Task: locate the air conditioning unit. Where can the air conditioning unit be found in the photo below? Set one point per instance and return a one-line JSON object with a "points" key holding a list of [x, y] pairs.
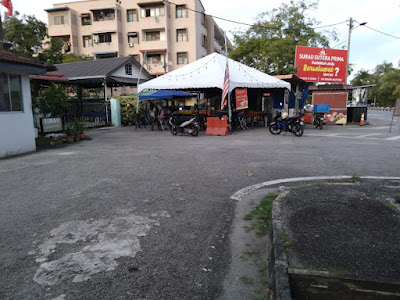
{"points": [[96, 41], [131, 45]]}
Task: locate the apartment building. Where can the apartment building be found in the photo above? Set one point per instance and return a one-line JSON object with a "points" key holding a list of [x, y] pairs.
{"points": [[163, 34]]}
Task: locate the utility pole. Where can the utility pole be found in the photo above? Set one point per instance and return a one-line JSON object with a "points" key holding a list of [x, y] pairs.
{"points": [[348, 48]]}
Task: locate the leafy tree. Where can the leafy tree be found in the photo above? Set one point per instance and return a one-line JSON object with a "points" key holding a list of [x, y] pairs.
{"points": [[52, 52], [25, 33], [269, 45], [70, 57], [386, 79], [389, 87], [53, 101]]}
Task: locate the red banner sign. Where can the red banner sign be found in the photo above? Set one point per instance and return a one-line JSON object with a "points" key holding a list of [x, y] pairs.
{"points": [[321, 65], [242, 102]]}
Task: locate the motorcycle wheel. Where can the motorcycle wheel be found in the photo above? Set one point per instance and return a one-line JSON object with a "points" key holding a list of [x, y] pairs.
{"points": [[195, 131], [321, 123], [173, 130], [298, 130], [274, 129]]}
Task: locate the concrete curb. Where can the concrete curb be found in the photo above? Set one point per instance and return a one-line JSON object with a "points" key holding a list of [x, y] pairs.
{"points": [[240, 194]]}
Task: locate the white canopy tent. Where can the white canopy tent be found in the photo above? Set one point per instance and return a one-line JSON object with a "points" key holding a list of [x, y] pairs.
{"points": [[209, 72]]}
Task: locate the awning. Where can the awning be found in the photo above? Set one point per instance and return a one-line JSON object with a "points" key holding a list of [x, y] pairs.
{"points": [[57, 9], [132, 34], [104, 31], [84, 15], [164, 94], [153, 50], [102, 9], [147, 3], [105, 52]]}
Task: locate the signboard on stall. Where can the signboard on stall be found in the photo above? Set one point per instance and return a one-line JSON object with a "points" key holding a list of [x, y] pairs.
{"points": [[321, 65], [242, 102]]}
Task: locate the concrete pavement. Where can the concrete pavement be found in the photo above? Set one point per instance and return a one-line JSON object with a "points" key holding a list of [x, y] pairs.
{"points": [[151, 211]]}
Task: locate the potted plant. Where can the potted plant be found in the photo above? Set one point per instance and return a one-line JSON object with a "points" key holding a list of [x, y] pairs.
{"points": [[70, 132], [80, 129]]}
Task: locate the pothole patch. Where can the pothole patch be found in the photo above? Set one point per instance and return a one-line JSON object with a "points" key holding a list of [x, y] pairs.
{"points": [[100, 243]]}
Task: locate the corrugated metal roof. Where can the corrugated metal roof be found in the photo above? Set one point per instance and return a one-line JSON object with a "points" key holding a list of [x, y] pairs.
{"points": [[98, 67]]}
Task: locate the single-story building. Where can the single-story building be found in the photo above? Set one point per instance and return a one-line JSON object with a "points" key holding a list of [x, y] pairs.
{"points": [[16, 120]]}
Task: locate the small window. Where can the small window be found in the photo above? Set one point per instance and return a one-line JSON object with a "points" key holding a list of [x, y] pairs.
{"points": [[203, 19], [133, 38], [152, 12], [58, 20], [204, 40], [87, 41], [181, 11], [181, 35], [182, 58], [86, 20], [152, 36], [105, 38], [131, 15], [10, 92], [128, 69]]}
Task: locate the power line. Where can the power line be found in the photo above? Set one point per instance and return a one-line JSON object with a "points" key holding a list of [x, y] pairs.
{"points": [[247, 24], [393, 36]]}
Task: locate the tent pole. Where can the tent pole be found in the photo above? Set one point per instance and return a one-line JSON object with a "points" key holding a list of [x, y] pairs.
{"points": [[138, 94], [105, 98]]}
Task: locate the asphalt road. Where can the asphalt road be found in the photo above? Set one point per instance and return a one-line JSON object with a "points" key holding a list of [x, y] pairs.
{"points": [[147, 215]]}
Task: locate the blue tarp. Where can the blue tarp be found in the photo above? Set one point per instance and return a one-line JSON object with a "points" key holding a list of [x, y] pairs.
{"points": [[165, 94]]}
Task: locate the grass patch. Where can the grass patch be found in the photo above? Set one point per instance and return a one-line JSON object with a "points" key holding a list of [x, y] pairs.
{"points": [[247, 254], [261, 214], [353, 179], [391, 205], [302, 187], [247, 280], [286, 239], [337, 271]]}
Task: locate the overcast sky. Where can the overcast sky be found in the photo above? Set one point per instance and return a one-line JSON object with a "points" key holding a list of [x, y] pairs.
{"points": [[368, 48]]}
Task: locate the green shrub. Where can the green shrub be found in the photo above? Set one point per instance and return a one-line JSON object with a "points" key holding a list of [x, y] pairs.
{"points": [[128, 110]]}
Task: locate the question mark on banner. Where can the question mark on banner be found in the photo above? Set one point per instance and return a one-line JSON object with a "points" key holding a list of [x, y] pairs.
{"points": [[336, 71]]}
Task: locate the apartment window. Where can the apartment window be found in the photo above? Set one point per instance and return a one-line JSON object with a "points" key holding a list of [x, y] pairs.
{"points": [[133, 38], [153, 59], [59, 20], [182, 58], [86, 20], [181, 11], [152, 36], [152, 12], [181, 35], [103, 15], [87, 41], [10, 92], [128, 69], [105, 38], [204, 40], [131, 15]]}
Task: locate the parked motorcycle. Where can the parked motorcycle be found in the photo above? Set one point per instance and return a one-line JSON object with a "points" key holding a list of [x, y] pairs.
{"points": [[319, 120], [178, 125], [293, 124]]}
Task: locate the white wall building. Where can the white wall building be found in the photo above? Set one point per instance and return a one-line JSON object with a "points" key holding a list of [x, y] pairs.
{"points": [[16, 120]]}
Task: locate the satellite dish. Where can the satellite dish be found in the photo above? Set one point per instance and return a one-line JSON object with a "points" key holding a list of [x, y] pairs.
{"points": [[161, 63], [169, 63]]}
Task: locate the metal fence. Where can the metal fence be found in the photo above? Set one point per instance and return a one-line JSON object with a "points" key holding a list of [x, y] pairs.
{"points": [[92, 113]]}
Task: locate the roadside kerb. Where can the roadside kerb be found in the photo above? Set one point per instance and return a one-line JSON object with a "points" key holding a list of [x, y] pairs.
{"points": [[249, 189], [278, 271]]}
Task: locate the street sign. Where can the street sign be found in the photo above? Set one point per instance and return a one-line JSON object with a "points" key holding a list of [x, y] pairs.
{"points": [[321, 65]]}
